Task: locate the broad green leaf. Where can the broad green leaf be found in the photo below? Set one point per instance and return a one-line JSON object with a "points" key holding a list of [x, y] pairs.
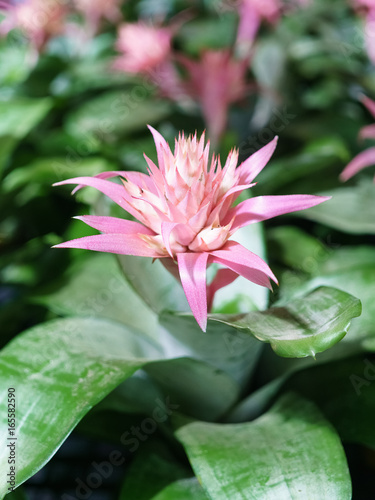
{"points": [[304, 326], [200, 390], [348, 268], [222, 346], [291, 452], [59, 370], [136, 395], [155, 462], [19, 115], [348, 400], [13, 63], [117, 113], [184, 489], [18, 494], [95, 287], [351, 209]]}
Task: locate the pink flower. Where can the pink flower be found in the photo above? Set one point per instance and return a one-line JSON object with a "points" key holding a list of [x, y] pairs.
{"points": [[216, 81], [368, 7], [39, 19], [365, 158], [252, 13], [185, 215], [96, 10], [143, 48], [146, 50]]}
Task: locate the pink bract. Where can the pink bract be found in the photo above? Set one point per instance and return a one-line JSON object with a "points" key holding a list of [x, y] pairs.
{"points": [[142, 47], [252, 13], [365, 158], [186, 215], [216, 81], [38, 19]]}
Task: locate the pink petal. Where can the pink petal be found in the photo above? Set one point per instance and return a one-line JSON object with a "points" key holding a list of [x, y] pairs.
{"points": [[369, 35], [114, 191], [161, 144], [123, 244], [265, 207], [367, 132], [103, 175], [363, 160], [243, 262], [166, 229], [249, 23], [223, 278], [114, 225], [251, 167], [192, 268]]}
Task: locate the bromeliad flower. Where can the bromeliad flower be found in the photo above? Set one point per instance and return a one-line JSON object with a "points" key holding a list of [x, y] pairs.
{"points": [[186, 217], [38, 19], [216, 81], [143, 47], [252, 12], [368, 9], [365, 158]]}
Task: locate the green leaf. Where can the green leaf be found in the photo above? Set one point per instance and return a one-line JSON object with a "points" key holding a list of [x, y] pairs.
{"points": [[21, 114], [222, 346], [18, 494], [351, 209], [156, 463], [7, 144], [184, 489], [95, 287], [303, 327], [348, 268], [59, 370], [289, 453], [200, 390], [348, 400], [116, 113]]}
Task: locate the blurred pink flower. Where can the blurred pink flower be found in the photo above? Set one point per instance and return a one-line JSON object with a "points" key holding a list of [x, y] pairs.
{"points": [[38, 19], [146, 50], [216, 81], [365, 158], [368, 8], [142, 47], [96, 10], [185, 215], [252, 13]]}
